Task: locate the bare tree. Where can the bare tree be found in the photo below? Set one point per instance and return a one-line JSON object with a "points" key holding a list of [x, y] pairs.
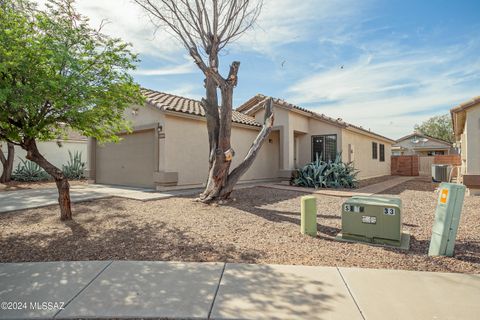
{"points": [[205, 27]]}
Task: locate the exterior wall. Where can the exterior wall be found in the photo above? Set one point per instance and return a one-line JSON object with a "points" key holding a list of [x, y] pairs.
{"points": [[471, 143], [362, 154], [298, 129], [144, 115], [295, 133], [463, 152], [56, 155], [316, 127], [186, 147]]}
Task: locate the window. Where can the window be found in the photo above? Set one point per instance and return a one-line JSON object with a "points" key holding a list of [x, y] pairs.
{"points": [[325, 146], [382, 152], [374, 150]]}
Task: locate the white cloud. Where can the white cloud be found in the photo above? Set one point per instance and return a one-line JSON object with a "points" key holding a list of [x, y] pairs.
{"points": [[287, 21], [187, 90], [389, 88], [127, 20], [186, 68]]}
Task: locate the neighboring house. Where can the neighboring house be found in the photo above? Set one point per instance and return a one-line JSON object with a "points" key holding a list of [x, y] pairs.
{"points": [[55, 151], [466, 126], [168, 147], [421, 144]]}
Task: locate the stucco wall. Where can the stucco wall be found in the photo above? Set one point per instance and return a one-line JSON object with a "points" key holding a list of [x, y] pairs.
{"points": [[316, 127], [472, 134], [144, 115], [186, 145], [58, 156], [362, 154]]}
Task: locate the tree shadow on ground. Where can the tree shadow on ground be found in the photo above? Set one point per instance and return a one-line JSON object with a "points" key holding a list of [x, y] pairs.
{"points": [[127, 241], [162, 290], [464, 251], [257, 206]]}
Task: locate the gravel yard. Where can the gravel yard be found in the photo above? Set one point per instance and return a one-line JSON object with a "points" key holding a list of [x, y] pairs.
{"points": [[261, 225]]}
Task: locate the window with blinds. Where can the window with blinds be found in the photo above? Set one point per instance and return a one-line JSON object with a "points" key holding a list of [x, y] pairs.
{"points": [[325, 146], [374, 150], [382, 152]]}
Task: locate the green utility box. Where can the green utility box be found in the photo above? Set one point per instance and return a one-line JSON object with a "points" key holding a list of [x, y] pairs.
{"points": [[447, 218], [372, 219]]}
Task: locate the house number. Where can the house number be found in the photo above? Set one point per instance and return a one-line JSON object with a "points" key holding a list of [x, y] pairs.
{"points": [[389, 211]]}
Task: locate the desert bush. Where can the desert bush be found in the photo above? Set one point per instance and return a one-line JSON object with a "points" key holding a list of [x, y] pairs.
{"points": [[321, 174], [75, 166], [28, 171]]}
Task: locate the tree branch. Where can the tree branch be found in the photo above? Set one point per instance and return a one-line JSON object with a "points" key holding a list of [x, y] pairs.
{"points": [[236, 173]]}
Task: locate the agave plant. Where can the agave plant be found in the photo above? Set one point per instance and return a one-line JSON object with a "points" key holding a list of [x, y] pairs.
{"points": [[74, 167], [322, 174], [28, 171]]}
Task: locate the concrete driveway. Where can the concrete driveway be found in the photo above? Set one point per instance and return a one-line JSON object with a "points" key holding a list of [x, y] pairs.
{"points": [[35, 198]]}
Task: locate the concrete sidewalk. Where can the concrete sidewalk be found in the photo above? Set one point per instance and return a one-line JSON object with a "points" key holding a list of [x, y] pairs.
{"points": [[365, 191], [35, 198], [177, 290]]}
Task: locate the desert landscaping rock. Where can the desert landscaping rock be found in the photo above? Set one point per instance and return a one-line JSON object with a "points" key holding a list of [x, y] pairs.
{"points": [[261, 226]]}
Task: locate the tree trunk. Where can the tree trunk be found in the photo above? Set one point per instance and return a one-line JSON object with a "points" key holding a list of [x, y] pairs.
{"points": [[7, 163], [221, 181], [62, 183]]}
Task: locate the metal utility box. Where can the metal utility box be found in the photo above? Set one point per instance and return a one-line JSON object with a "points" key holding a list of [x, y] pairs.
{"points": [[372, 219], [447, 218]]}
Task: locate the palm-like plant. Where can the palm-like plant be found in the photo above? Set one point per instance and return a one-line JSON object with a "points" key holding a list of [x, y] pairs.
{"points": [[322, 174]]}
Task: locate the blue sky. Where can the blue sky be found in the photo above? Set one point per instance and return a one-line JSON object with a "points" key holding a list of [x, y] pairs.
{"points": [[403, 61]]}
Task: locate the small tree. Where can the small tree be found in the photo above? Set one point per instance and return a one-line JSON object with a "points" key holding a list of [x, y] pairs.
{"points": [[439, 127], [205, 27], [57, 74], [7, 162]]}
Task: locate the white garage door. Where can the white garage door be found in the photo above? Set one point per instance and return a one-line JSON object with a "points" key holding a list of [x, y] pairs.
{"points": [[129, 162]]}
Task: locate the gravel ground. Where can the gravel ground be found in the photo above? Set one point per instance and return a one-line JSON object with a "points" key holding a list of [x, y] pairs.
{"points": [[17, 185], [261, 225]]}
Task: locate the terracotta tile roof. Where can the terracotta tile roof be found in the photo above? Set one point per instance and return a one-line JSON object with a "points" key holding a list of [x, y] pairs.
{"points": [[170, 102], [253, 103]]}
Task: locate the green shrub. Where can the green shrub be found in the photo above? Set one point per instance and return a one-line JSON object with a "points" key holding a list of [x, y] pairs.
{"points": [[75, 166], [321, 174], [28, 171]]}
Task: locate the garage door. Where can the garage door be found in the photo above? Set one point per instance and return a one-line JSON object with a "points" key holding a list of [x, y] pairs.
{"points": [[129, 162]]}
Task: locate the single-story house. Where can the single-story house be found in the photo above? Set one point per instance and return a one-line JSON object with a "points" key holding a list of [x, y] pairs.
{"points": [[421, 144], [168, 147], [466, 126], [55, 151]]}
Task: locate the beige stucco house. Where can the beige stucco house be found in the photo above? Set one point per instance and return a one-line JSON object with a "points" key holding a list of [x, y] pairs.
{"points": [[55, 151], [466, 125], [168, 147], [421, 144]]}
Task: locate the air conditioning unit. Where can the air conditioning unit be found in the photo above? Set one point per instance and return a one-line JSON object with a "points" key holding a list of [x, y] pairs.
{"points": [[440, 172]]}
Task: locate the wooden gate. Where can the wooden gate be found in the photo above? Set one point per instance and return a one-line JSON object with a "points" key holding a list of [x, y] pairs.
{"points": [[425, 164]]}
